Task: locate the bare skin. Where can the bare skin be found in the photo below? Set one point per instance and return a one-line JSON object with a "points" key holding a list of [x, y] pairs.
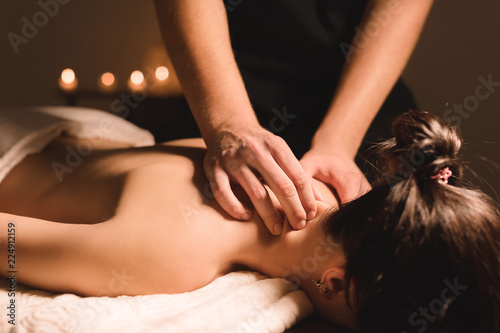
{"points": [[145, 214]]}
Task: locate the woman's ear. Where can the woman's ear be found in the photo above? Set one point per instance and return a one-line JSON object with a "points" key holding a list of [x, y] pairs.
{"points": [[332, 280]]}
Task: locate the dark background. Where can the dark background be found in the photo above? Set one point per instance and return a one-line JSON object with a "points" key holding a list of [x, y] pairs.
{"points": [[461, 42]]}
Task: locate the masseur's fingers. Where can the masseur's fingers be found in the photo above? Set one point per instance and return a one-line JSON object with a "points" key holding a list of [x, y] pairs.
{"points": [[287, 191], [247, 153], [340, 172], [352, 185], [302, 181], [221, 189], [317, 193], [259, 197]]}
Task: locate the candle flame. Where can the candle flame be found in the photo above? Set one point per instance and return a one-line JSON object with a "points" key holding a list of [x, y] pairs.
{"points": [[107, 79], [137, 77], [68, 76], [162, 73]]}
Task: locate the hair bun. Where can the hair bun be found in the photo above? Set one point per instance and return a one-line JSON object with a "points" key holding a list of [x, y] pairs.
{"points": [[422, 145]]}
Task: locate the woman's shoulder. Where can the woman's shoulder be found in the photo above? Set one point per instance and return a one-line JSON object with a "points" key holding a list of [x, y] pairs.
{"points": [[189, 142], [170, 172]]}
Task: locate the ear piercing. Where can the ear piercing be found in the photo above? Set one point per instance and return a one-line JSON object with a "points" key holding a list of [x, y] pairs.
{"points": [[320, 287]]}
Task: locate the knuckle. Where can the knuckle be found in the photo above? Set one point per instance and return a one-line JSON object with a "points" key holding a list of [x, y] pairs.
{"points": [[251, 150], [279, 140], [218, 189], [232, 166], [217, 192], [287, 188], [300, 180], [275, 142], [258, 193], [229, 154]]}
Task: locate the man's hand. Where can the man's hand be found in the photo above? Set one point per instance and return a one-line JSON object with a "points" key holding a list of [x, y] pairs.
{"points": [[340, 172], [196, 34], [252, 156]]}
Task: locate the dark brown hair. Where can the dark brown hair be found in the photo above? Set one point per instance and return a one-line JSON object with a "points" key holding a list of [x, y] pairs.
{"points": [[421, 255]]}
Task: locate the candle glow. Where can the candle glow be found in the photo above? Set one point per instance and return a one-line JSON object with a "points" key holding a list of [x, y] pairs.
{"points": [[68, 81], [136, 81], [68, 76], [107, 79], [107, 83], [137, 78], [162, 73]]}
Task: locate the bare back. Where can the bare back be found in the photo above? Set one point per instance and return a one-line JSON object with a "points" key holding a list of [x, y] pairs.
{"points": [[159, 196]]}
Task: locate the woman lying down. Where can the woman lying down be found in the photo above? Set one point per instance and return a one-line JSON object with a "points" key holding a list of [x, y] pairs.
{"points": [[418, 251]]}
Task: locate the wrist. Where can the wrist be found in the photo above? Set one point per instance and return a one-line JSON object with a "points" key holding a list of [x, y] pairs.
{"points": [[218, 118], [233, 126], [344, 146]]}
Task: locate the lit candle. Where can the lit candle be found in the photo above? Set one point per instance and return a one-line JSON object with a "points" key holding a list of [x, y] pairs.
{"points": [[162, 73], [68, 81], [136, 81], [107, 83]]}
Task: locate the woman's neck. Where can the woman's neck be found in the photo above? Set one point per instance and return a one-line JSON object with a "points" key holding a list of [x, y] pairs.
{"points": [[297, 255]]}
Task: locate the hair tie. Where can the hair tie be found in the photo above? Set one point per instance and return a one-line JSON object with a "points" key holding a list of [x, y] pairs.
{"points": [[443, 175]]}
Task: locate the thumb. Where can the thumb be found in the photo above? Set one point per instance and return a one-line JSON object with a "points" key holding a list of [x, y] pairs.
{"points": [[351, 186], [317, 193], [309, 169]]}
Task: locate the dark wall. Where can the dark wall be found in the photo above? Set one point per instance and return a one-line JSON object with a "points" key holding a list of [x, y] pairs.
{"points": [[459, 48]]}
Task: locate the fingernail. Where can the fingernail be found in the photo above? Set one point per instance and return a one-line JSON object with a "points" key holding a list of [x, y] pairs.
{"points": [[246, 216], [311, 214], [301, 225], [278, 227]]}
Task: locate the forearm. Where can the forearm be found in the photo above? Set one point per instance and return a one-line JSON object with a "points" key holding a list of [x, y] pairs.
{"points": [[375, 61], [196, 35]]}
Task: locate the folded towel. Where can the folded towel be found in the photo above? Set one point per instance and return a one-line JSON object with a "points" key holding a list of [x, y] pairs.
{"points": [[26, 131], [239, 302]]}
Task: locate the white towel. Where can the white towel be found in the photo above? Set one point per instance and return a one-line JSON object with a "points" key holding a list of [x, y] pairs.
{"points": [[26, 131], [240, 302]]}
